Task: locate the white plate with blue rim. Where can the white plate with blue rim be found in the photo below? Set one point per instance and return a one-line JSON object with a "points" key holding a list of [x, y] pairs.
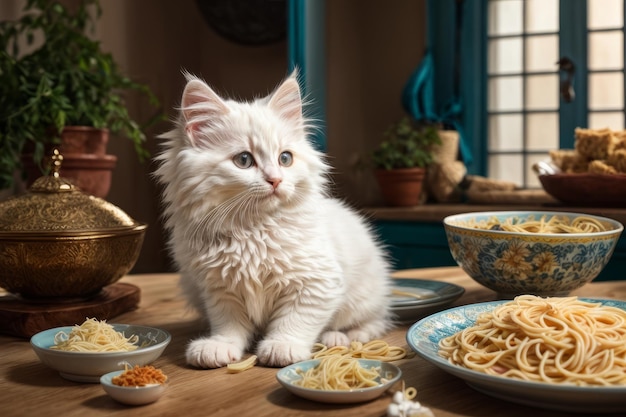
{"points": [[416, 298], [288, 376], [424, 336]]}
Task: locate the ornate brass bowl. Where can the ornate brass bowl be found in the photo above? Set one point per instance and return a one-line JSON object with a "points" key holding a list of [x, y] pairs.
{"points": [[57, 242]]}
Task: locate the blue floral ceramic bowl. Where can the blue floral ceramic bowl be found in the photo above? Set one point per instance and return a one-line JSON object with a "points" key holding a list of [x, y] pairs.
{"points": [[543, 264]]}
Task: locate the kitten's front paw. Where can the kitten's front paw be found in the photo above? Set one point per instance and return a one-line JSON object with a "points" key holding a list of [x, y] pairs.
{"points": [[210, 353], [333, 338], [282, 353]]}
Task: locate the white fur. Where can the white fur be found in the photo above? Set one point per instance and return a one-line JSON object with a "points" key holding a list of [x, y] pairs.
{"points": [[262, 251]]}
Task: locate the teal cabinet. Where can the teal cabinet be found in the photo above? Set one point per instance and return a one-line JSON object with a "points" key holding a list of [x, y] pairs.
{"points": [[415, 244]]}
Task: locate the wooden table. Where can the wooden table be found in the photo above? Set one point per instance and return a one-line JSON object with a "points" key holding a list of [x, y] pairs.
{"points": [[29, 388]]}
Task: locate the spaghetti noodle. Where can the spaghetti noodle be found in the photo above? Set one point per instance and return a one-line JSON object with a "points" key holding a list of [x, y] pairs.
{"points": [[337, 372], [411, 295], [374, 349], [244, 365], [555, 224], [94, 336], [559, 340]]}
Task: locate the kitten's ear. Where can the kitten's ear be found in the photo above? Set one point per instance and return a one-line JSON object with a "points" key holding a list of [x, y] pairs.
{"points": [[200, 107], [286, 100]]}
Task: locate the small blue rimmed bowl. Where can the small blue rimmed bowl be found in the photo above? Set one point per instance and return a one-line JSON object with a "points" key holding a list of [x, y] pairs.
{"points": [[288, 376], [90, 366]]}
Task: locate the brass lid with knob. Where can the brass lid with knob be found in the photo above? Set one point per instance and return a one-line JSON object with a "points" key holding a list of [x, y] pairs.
{"points": [[53, 205]]}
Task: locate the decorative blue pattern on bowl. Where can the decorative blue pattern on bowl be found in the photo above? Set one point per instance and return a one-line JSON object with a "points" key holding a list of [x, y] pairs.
{"points": [[513, 263]]}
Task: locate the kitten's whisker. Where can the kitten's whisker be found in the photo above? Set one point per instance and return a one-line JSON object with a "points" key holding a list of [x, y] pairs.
{"points": [[234, 209]]}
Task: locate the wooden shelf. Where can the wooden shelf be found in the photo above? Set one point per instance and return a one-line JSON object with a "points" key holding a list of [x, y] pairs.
{"points": [[437, 212]]}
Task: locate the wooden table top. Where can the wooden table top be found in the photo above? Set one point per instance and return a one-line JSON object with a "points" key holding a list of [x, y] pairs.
{"points": [[29, 388]]}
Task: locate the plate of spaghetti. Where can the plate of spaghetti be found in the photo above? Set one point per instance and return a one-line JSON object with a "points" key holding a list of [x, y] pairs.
{"points": [[339, 379], [558, 353], [86, 351]]}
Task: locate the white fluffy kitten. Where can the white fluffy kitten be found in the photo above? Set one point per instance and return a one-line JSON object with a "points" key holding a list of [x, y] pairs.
{"points": [[262, 251]]}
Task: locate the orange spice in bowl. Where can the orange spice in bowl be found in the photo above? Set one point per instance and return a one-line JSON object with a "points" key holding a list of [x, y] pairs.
{"points": [[139, 376], [135, 386]]}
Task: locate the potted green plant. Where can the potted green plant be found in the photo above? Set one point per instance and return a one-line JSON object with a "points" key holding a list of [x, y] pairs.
{"points": [[401, 160], [64, 79]]}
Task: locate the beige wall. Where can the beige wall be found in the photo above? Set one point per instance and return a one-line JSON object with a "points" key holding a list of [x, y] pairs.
{"points": [[373, 45]]}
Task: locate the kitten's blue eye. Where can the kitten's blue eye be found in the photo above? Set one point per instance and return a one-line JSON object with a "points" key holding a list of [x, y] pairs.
{"points": [[244, 160], [286, 159]]}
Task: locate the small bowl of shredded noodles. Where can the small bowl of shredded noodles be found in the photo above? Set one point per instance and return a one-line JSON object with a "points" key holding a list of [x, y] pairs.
{"points": [[339, 379], [86, 351], [531, 252], [136, 385]]}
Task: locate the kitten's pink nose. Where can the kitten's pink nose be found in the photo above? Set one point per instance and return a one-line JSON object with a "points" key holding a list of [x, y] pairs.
{"points": [[275, 182]]}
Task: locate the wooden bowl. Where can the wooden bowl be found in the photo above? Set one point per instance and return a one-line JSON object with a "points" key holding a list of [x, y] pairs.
{"points": [[586, 189]]}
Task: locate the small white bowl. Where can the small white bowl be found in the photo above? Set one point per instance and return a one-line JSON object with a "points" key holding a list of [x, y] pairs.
{"points": [[90, 366], [131, 395]]}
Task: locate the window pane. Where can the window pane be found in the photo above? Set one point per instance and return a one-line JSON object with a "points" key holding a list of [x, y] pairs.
{"points": [[532, 181], [606, 91], [606, 50], [505, 93], [542, 92], [542, 53], [507, 168], [505, 132], [542, 131], [603, 14], [505, 17], [542, 16], [524, 104], [505, 56], [614, 121]]}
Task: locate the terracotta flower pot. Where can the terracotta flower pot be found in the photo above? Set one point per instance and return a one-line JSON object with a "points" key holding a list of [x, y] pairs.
{"points": [[84, 140], [85, 161], [401, 187]]}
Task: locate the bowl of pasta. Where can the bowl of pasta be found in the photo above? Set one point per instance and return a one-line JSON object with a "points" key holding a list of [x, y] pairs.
{"points": [[85, 352], [531, 252], [339, 379]]}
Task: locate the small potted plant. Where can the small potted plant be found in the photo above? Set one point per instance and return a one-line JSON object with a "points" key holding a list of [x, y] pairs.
{"points": [[53, 77], [400, 161]]}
